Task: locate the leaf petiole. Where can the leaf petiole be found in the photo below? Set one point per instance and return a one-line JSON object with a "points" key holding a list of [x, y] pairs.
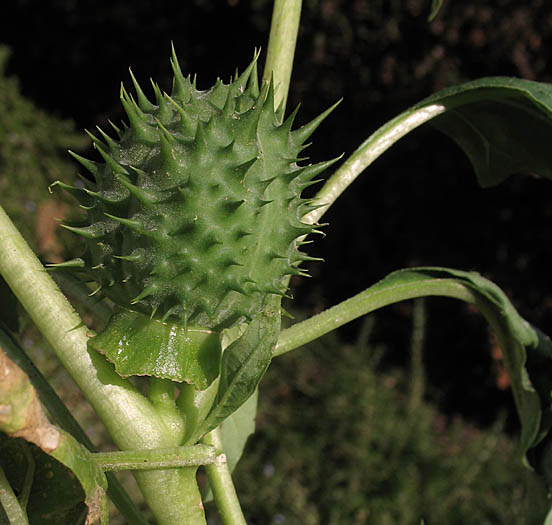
{"points": [[373, 298]]}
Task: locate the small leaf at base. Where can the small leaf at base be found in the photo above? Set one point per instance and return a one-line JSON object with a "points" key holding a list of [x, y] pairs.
{"points": [[138, 345]]}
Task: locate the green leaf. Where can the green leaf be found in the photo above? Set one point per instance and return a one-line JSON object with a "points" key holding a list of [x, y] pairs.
{"points": [[435, 7], [62, 417], [67, 485], [22, 416], [55, 496], [92, 479], [138, 345], [58, 412], [503, 124], [527, 352], [236, 429], [244, 363]]}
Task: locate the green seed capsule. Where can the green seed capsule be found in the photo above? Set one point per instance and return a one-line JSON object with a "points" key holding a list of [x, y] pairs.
{"points": [[196, 210]]}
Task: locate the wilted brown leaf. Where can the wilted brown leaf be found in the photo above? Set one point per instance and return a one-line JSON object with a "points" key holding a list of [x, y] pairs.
{"points": [[21, 414]]}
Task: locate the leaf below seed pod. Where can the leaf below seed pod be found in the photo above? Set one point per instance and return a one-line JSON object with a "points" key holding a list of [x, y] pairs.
{"points": [[138, 345]]}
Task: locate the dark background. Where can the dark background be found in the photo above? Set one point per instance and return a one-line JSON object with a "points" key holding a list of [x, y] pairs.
{"points": [[417, 205]]}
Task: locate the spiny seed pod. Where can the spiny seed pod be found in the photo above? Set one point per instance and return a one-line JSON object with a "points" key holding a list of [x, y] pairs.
{"points": [[195, 214]]}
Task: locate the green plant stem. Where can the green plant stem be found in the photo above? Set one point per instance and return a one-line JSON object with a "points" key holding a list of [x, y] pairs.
{"points": [[281, 47], [380, 296], [15, 513], [388, 292], [368, 152], [159, 458], [161, 392], [115, 400], [194, 405], [364, 303], [131, 420], [221, 483]]}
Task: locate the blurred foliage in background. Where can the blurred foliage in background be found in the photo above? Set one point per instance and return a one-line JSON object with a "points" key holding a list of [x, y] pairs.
{"points": [[33, 146], [339, 441]]}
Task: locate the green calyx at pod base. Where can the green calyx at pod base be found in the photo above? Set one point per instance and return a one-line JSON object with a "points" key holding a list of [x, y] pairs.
{"points": [[194, 217]]}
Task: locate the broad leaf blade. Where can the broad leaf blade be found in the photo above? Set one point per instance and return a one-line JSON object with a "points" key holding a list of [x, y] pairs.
{"points": [[522, 346], [527, 352], [92, 479], [503, 124], [56, 497]]}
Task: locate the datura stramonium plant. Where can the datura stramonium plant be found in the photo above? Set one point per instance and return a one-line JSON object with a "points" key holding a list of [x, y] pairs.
{"points": [[194, 219]]}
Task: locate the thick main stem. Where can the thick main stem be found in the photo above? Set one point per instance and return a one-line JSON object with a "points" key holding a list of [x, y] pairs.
{"points": [[130, 419]]}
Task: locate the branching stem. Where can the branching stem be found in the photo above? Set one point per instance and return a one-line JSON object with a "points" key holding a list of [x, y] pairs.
{"points": [[176, 457]]}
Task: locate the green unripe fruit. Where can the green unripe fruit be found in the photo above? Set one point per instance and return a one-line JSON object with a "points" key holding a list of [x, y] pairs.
{"points": [[195, 214]]}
